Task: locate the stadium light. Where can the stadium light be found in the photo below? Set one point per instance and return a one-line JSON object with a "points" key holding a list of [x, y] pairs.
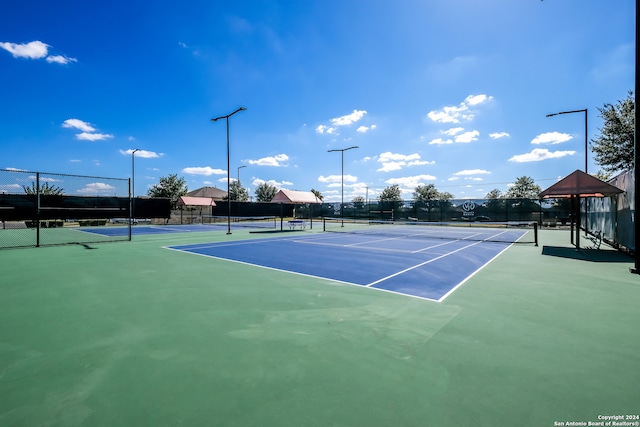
{"points": [[133, 184], [342, 150], [228, 166], [586, 138]]}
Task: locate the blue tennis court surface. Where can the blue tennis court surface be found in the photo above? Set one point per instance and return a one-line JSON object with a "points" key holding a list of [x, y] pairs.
{"points": [[424, 268]]}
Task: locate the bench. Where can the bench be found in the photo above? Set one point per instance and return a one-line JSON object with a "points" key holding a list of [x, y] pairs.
{"points": [[297, 223]]}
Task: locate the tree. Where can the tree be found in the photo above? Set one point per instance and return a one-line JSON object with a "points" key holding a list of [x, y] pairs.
{"points": [[358, 199], [318, 194], [614, 147], [523, 188], [493, 194], [423, 193], [237, 192], [265, 192], [170, 187], [445, 197], [45, 189], [391, 194]]}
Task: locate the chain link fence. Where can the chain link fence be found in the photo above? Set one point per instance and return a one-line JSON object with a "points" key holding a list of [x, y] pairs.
{"points": [[38, 209]]}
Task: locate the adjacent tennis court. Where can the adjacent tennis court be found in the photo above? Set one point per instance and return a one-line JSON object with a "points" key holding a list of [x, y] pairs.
{"points": [[420, 261]]}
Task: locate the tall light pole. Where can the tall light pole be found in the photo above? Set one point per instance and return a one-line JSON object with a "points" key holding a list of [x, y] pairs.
{"points": [[240, 167], [586, 161], [228, 166], [342, 150], [586, 137], [133, 183]]}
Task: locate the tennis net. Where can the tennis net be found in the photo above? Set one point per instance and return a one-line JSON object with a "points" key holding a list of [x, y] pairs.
{"points": [[241, 221], [505, 232]]}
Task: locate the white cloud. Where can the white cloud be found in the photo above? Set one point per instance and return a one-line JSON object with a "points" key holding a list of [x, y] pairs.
{"points": [[276, 160], [467, 136], [141, 153], [96, 188], [78, 124], [88, 131], [87, 136], [538, 154], [349, 118], [477, 99], [394, 161], [257, 181], [498, 135], [472, 172], [452, 131], [337, 178], [440, 141], [411, 181], [59, 59], [364, 129], [10, 188], [206, 171], [33, 50], [325, 129], [453, 114], [551, 138]]}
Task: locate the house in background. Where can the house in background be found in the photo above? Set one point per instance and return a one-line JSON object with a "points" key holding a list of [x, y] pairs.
{"points": [[214, 193]]}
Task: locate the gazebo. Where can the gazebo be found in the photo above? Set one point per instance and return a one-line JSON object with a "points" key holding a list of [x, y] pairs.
{"points": [[195, 201], [575, 186]]}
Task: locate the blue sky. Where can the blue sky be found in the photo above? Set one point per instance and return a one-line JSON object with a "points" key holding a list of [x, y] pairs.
{"points": [[452, 93]]}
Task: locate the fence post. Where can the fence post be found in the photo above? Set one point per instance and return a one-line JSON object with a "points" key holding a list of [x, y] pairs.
{"points": [[37, 209]]}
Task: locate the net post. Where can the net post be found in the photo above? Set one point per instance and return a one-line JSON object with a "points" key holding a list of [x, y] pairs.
{"points": [[535, 232]]}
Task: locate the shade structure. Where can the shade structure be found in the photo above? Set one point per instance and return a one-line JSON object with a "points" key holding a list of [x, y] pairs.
{"points": [[580, 184], [576, 185], [195, 201], [297, 197]]}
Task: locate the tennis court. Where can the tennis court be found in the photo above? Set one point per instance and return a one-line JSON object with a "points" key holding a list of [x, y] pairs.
{"points": [[215, 224], [133, 334], [407, 259]]}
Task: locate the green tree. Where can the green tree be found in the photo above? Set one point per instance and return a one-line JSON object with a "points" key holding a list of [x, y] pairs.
{"points": [[523, 188], [45, 189], [265, 192], [493, 194], [423, 193], [445, 196], [237, 192], [317, 194], [391, 194], [614, 147], [170, 187]]}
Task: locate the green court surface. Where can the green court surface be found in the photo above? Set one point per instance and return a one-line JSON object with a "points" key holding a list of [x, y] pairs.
{"points": [[132, 334]]}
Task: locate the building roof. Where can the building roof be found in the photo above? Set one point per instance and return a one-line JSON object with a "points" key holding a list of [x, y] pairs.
{"points": [[195, 201], [580, 184], [211, 192], [290, 196]]}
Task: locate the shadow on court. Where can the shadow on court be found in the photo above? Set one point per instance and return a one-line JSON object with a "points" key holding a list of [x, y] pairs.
{"points": [[586, 254]]}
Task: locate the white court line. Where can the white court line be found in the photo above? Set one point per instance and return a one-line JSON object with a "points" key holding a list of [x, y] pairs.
{"points": [[302, 274], [421, 264]]}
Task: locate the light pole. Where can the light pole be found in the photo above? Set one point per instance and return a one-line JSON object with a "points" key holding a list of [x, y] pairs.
{"points": [[586, 138], [228, 166], [240, 167], [342, 150], [133, 183], [586, 162]]}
